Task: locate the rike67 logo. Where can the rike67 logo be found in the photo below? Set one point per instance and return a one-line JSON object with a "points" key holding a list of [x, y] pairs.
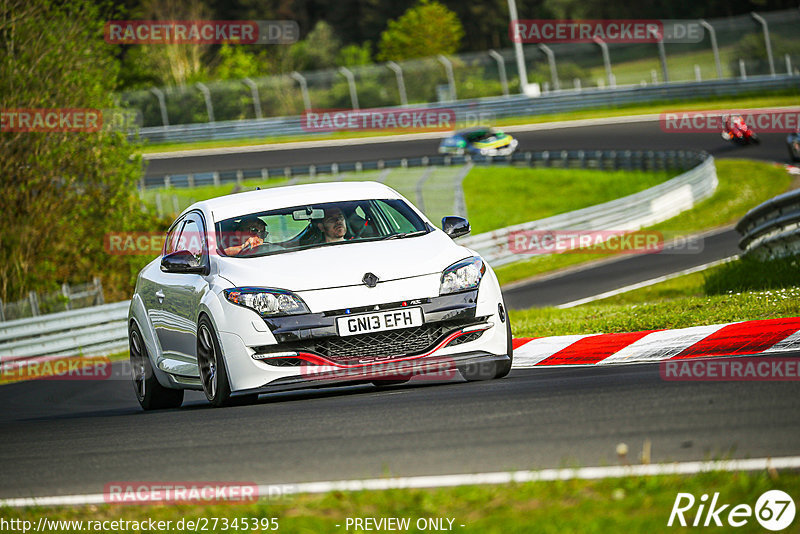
{"points": [[774, 510]]}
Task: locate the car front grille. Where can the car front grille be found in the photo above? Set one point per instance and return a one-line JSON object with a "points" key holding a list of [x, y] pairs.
{"points": [[379, 345]]}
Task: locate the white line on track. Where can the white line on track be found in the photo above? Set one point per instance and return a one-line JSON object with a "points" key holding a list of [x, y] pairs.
{"points": [[446, 481], [646, 283]]}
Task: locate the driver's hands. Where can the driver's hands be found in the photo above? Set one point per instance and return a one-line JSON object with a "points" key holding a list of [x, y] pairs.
{"points": [[251, 242]]}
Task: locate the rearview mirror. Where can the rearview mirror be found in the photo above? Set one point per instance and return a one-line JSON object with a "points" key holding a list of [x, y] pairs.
{"points": [[182, 261], [455, 226], [308, 214]]}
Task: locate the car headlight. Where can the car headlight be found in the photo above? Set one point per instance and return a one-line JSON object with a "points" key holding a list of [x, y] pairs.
{"points": [[461, 276], [267, 302]]}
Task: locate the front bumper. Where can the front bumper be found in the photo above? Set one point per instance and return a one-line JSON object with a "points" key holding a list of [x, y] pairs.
{"points": [[308, 349]]}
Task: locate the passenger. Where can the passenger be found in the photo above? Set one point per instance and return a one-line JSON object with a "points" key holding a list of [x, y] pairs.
{"points": [[333, 227], [252, 231]]}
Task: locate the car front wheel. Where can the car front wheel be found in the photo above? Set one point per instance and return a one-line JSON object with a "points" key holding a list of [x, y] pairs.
{"points": [[213, 374], [150, 394]]}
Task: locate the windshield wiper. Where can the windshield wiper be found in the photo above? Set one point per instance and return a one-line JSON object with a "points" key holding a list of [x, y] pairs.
{"points": [[405, 234]]}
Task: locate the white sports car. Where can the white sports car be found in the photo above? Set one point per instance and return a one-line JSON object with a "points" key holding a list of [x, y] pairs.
{"points": [[311, 286]]}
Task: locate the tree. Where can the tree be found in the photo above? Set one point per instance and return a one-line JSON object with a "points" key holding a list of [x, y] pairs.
{"points": [[62, 191], [427, 29]]}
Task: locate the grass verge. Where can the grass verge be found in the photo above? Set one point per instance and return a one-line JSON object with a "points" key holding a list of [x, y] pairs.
{"points": [[787, 98], [501, 196], [743, 184], [629, 504]]}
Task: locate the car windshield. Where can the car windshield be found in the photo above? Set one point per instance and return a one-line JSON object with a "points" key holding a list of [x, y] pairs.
{"points": [[316, 225], [482, 135]]}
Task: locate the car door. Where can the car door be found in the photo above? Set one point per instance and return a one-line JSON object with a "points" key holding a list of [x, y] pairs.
{"points": [[180, 294], [153, 281]]}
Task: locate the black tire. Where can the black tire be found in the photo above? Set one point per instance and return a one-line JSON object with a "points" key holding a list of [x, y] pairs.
{"points": [[754, 139], [150, 394], [475, 372], [503, 368], [213, 374]]}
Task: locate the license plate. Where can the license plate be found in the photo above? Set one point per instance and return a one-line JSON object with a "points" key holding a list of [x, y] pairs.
{"points": [[366, 323]]}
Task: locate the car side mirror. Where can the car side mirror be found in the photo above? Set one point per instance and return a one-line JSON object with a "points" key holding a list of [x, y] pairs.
{"points": [[182, 261], [455, 226]]}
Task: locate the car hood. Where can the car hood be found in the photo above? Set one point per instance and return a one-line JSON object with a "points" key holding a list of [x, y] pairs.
{"points": [[346, 264]]}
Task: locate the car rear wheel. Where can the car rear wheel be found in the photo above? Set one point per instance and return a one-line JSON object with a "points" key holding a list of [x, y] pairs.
{"points": [[213, 374], [150, 394]]}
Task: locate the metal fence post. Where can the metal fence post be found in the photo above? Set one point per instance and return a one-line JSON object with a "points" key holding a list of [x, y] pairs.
{"points": [[351, 82], [448, 67], [65, 292], [2, 311], [207, 98], [501, 69], [742, 70], [713, 34], [606, 60], [98, 286], [34, 302], [401, 84], [303, 89], [551, 59], [518, 51], [162, 103], [662, 54], [256, 98], [788, 59], [765, 27], [698, 76]]}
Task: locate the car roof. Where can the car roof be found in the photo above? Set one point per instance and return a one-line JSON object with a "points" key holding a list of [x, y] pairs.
{"points": [[238, 204], [474, 130]]}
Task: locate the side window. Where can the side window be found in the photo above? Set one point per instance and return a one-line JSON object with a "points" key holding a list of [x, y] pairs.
{"points": [[193, 236], [171, 241]]}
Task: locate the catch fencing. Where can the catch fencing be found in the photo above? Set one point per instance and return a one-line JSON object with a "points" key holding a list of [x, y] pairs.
{"points": [[732, 47], [484, 110]]}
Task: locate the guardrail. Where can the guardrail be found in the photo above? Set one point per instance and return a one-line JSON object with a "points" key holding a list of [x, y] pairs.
{"points": [[490, 108], [632, 212], [87, 331], [772, 229], [102, 329], [586, 159]]}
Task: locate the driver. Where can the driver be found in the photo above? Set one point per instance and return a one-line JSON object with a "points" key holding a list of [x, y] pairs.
{"points": [[333, 227], [252, 231]]}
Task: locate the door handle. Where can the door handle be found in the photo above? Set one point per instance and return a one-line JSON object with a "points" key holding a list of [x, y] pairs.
{"points": [[160, 295]]}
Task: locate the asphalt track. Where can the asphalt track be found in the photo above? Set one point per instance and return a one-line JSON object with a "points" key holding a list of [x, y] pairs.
{"points": [[68, 437], [629, 136], [61, 438], [595, 279]]}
